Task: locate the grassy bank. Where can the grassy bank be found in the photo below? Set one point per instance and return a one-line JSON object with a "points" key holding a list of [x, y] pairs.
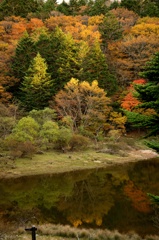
{"points": [[103, 155]]}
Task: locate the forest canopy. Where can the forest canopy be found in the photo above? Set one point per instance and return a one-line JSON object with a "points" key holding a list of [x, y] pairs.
{"points": [[92, 66]]}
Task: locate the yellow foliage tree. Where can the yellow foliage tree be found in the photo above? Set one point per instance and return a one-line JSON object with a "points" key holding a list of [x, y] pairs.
{"points": [[89, 108], [145, 29], [85, 103], [77, 26]]}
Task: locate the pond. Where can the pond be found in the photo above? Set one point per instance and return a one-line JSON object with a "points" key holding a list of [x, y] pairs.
{"points": [[114, 198]]}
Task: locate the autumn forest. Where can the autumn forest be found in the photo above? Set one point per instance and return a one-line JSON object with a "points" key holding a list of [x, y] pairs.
{"points": [[73, 73]]}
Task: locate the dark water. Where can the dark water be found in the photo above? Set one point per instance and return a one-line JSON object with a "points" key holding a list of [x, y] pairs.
{"points": [[113, 198]]}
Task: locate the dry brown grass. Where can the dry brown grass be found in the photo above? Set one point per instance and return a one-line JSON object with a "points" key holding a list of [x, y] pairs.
{"points": [[60, 232]]}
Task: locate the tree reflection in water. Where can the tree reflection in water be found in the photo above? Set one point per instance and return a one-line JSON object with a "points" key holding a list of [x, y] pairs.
{"points": [[113, 198]]}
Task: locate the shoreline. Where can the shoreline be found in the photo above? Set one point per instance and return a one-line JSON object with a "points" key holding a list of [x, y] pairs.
{"points": [[71, 162]]}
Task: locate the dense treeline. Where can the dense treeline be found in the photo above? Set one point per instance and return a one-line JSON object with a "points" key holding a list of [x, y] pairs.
{"points": [[77, 71], [42, 9]]}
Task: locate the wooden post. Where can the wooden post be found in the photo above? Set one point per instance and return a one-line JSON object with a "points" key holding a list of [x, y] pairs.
{"points": [[33, 230]]}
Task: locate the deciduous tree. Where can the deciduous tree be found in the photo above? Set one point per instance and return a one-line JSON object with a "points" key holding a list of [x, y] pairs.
{"points": [[80, 27], [41, 116], [26, 129], [8, 115], [129, 102], [125, 17], [49, 133], [85, 103], [129, 55]]}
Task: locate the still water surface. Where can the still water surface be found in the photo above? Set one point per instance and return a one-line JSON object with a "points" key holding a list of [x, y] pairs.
{"points": [[112, 198]]}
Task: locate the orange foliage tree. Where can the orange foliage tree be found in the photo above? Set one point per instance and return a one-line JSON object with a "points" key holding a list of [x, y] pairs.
{"points": [[34, 23], [129, 101], [129, 55], [11, 29], [14, 28], [81, 28], [126, 18]]}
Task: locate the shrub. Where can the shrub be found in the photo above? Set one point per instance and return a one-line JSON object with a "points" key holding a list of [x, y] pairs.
{"points": [[27, 149], [153, 144], [62, 142], [20, 149], [114, 135], [11, 143], [16, 154], [78, 142]]}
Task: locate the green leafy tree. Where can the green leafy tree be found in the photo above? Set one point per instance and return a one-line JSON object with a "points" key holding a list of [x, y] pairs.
{"points": [[94, 67], [37, 85], [21, 142], [25, 130], [41, 116], [49, 133], [64, 137]]}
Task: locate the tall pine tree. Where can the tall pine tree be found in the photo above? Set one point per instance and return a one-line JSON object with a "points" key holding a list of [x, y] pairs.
{"points": [[67, 62], [94, 67], [18, 8], [48, 45], [24, 54], [148, 94], [61, 54], [37, 86]]}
